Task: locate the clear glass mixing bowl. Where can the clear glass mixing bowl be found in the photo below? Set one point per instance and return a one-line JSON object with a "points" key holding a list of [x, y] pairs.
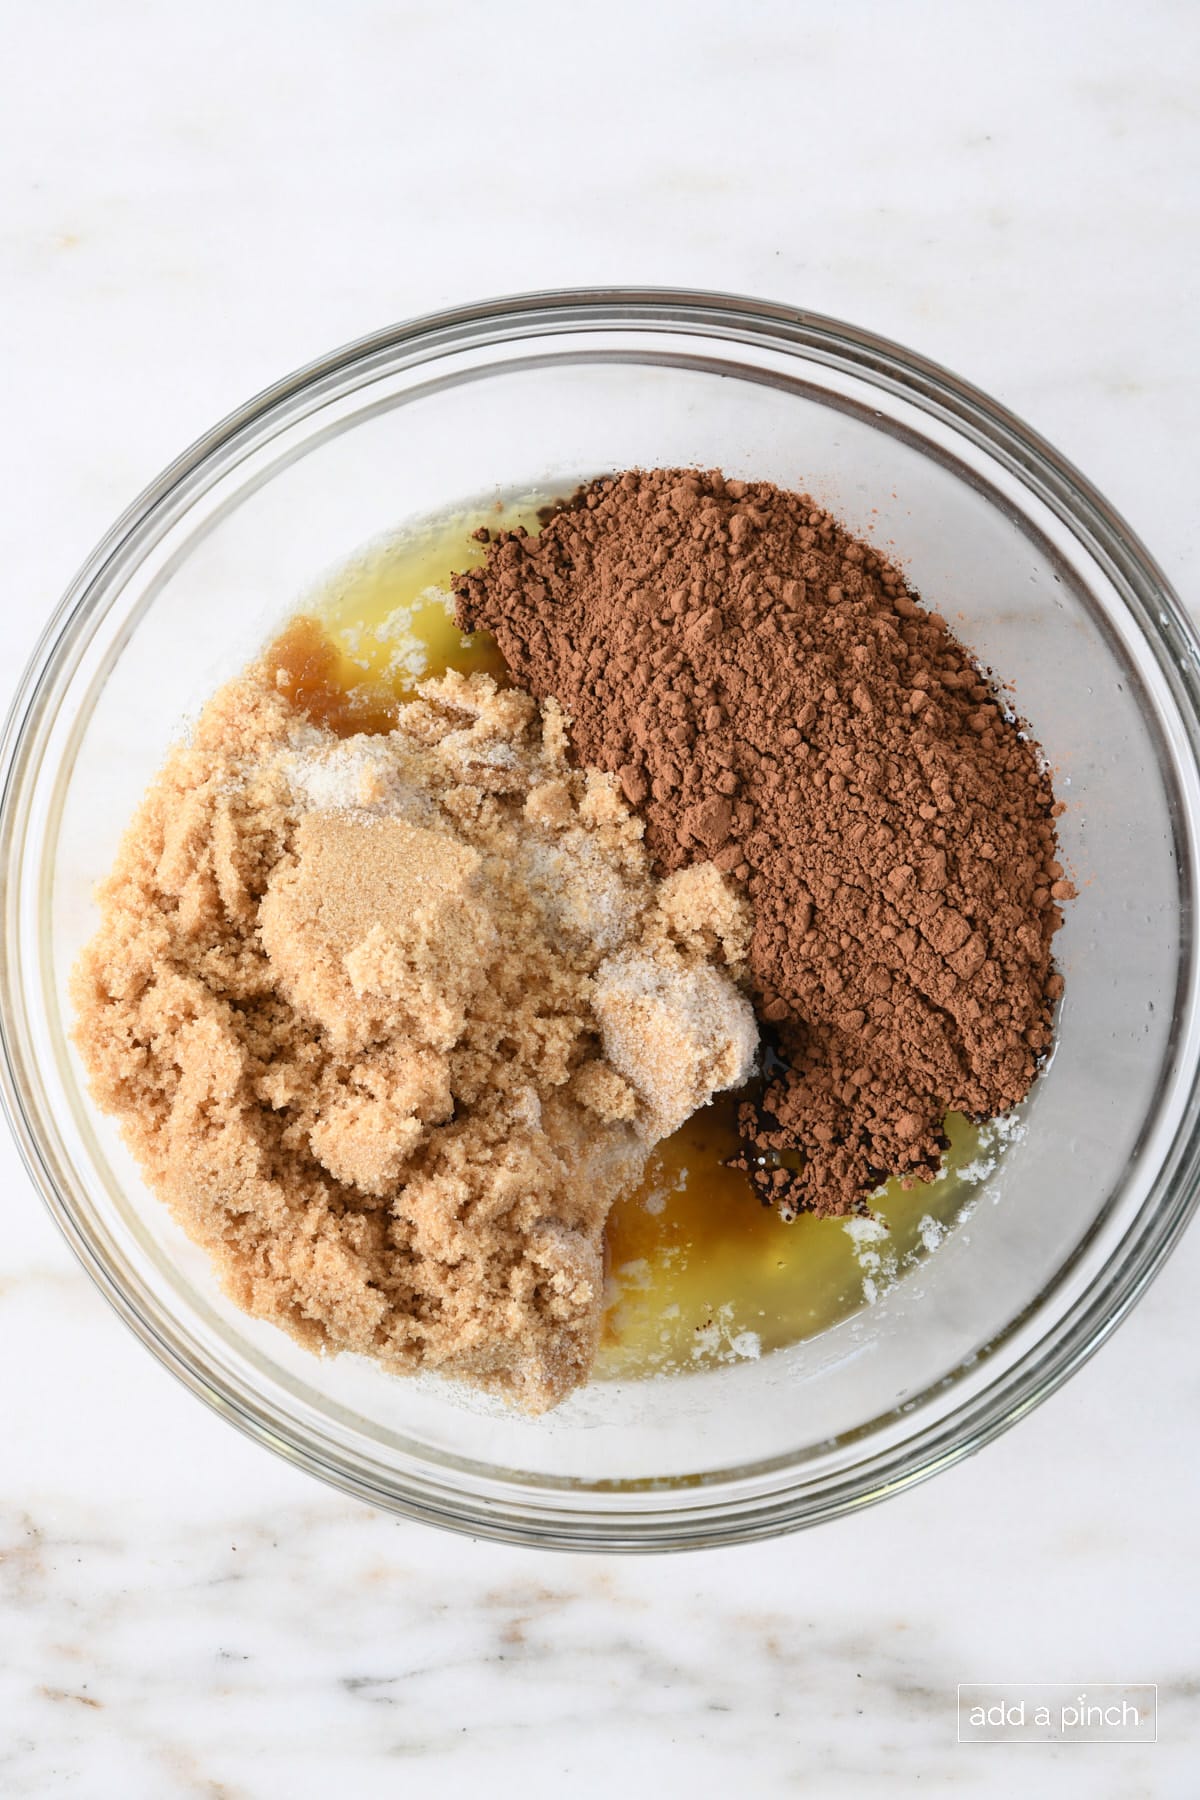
{"points": [[998, 533]]}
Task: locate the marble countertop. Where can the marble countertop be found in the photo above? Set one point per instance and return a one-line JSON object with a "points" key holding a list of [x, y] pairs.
{"points": [[196, 201]]}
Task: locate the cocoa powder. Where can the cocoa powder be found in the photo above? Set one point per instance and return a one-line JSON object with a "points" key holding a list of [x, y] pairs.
{"points": [[773, 696]]}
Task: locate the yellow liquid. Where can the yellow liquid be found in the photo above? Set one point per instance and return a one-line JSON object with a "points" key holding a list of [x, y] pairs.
{"points": [[700, 1272]]}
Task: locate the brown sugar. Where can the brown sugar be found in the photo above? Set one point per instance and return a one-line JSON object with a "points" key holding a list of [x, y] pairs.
{"points": [[774, 698], [377, 924], [362, 1007]]}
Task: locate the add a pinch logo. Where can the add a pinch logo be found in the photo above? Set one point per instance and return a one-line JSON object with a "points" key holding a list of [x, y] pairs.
{"points": [[1057, 1713]]}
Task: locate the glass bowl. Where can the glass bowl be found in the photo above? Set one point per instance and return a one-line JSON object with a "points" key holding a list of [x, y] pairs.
{"points": [[999, 534]]}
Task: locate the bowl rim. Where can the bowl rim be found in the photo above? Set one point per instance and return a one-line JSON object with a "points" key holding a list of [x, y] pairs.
{"points": [[1161, 622]]}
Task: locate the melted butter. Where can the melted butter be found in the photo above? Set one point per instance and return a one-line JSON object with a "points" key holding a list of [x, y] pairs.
{"points": [[701, 1273], [385, 623]]}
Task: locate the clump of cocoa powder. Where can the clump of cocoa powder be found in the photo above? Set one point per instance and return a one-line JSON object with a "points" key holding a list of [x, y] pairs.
{"points": [[774, 697]]}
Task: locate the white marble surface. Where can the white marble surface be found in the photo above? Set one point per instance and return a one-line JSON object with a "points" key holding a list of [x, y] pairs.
{"points": [[196, 200]]}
